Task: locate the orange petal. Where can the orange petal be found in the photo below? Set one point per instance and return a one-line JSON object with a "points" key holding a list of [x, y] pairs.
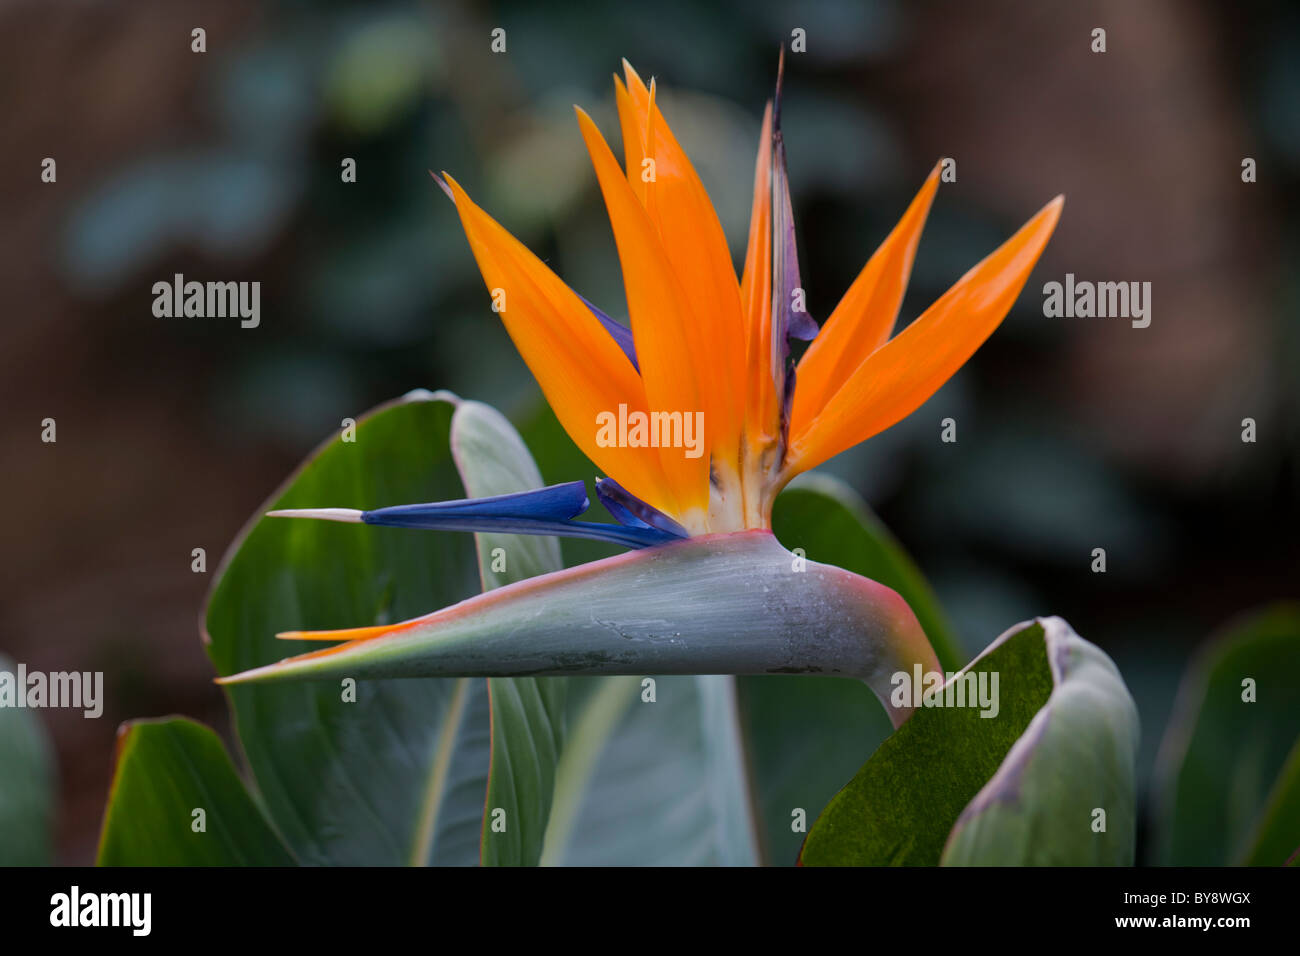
{"points": [[580, 368], [762, 414], [346, 634], [865, 317], [696, 247], [897, 378], [633, 127], [649, 196], [668, 346]]}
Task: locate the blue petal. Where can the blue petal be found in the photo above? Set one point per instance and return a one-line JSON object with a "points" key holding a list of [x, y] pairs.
{"points": [[630, 511], [615, 533], [544, 511], [554, 503], [785, 258], [620, 333]]}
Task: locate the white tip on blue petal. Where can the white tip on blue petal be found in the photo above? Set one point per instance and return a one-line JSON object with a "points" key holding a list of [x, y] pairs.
{"points": [[327, 514]]}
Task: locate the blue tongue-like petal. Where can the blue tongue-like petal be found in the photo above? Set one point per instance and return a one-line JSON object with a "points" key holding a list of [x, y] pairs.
{"points": [[553, 503], [548, 510], [630, 511]]}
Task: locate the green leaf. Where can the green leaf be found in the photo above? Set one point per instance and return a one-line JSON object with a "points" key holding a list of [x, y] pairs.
{"points": [[1278, 836], [808, 735], [1222, 755], [527, 712], [167, 771], [811, 734], [1009, 782], [27, 793], [400, 774], [1066, 795], [659, 782]]}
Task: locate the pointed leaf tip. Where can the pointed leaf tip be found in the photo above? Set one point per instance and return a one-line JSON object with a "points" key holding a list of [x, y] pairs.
{"points": [[895, 379]]}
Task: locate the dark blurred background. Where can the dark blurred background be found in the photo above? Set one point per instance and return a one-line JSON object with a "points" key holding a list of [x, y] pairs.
{"points": [[1073, 434]]}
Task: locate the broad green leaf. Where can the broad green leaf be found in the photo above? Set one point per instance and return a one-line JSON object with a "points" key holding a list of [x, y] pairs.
{"points": [[27, 793], [1056, 695], [527, 712], [1277, 838], [176, 800], [809, 735], [1066, 793], [901, 805], [657, 782], [1234, 723], [393, 777], [399, 774]]}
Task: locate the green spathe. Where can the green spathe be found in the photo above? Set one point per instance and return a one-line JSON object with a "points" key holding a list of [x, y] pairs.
{"points": [[716, 604]]}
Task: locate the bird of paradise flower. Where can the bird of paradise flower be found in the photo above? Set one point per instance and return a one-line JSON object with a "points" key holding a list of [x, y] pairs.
{"points": [[708, 589]]}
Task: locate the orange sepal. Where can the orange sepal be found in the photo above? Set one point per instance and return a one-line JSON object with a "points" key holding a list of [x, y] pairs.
{"points": [[666, 342], [898, 377], [865, 316], [581, 370], [762, 413], [696, 247]]}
